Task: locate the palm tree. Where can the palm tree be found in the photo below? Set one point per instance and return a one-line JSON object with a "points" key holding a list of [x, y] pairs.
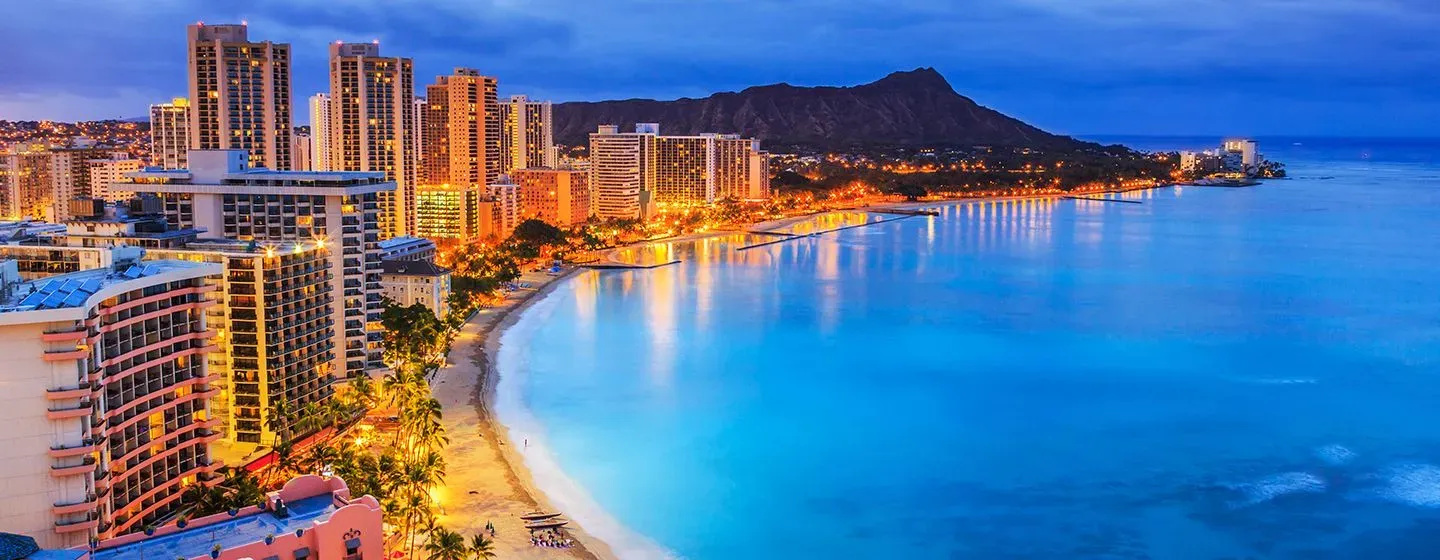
{"points": [[481, 547], [278, 421], [416, 511], [287, 462], [445, 544]]}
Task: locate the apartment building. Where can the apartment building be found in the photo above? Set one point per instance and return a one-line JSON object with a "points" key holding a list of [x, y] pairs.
{"points": [[451, 213], [557, 196], [527, 136], [106, 173], [411, 282], [170, 133], [628, 171], [320, 132], [462, 130], [239, 94], [372, 125]]}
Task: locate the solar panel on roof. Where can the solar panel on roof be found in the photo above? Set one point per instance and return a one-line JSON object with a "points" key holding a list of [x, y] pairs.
{"points": [[33, 299], [76, 298], [52, 301], [50, 286], [150, 270], [92, 285], [132, 273]]}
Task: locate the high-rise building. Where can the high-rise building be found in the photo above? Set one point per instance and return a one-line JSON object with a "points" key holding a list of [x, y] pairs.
{"points": [[451, 213], [617, 172], [557, 196], [630, 170], [277, 349], [462, 130], [106, 173], [105, 405], [170, 133], [320, 132], [28, 188], [239, 94], [301, 149], [527, 136], [222, 195], [372, 125]]}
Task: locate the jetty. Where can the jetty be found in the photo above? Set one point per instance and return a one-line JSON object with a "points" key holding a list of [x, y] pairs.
{"points": [[904, 214], [771, 233], [626, 266], [901, 211], [1122, 201]]}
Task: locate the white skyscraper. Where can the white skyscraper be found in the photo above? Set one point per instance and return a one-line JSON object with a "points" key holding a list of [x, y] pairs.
{"points": [[320, 132]]}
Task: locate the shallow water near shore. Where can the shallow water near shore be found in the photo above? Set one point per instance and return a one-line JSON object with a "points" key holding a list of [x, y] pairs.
{"points": [[1212, 373]]}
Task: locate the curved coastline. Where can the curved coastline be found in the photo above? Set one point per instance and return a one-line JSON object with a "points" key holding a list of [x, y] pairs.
{"points": [[600, 529]]}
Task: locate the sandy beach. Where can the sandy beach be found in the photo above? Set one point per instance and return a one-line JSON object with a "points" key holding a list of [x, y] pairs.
{"points": [[486, 478]]}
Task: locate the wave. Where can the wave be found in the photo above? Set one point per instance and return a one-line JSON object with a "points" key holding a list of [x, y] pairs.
{"points": [[1286, 381], [1415, 484], [563, 492], [1335, 454], [1274, 486]]}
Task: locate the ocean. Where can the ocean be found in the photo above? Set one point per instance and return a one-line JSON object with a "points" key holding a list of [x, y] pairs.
{"points": [[1210, 373]]}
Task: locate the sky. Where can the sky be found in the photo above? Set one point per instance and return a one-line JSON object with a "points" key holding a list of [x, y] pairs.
{"points": [[1084, 67]]}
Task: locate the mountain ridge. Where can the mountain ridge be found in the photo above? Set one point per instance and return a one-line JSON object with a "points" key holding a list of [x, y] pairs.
{"points": [[906, 108]]}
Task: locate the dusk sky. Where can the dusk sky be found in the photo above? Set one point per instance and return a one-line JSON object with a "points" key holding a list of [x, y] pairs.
{"points": [[1259, 67]]}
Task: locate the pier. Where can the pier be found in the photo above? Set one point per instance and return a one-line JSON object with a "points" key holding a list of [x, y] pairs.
{"points": [[1104, 199], [771, 233], [626, 266], [900, 211], [905, 214]]}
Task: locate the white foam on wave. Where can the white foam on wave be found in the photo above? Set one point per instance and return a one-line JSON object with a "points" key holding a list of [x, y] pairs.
{"points": [[564, 493], [1335, 454], [1274, 486], [1287, 381], [1415, 484]]}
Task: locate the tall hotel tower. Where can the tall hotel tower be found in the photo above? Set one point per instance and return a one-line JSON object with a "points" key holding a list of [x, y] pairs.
{"points": [[527, 135], [462, 130], [239, 94], [372, 125], [320, 132]]}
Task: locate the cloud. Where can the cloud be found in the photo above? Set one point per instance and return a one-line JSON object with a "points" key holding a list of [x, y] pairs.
{"points": [[1064, 61]]}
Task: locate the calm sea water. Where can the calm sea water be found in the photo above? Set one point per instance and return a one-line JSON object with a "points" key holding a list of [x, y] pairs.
{"points": [[1212, 373]]}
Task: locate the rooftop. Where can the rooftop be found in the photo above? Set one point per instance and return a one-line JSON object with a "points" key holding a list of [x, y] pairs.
{"points": [[413, 268], [402, 241], [75, 289], [198, 541]]}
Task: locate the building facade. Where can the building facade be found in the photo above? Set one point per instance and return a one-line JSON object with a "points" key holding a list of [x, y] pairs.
{"points": [[239, 94], [302, 150], [560, 197], [451, 214], [506, 198], [628, 171], [410, 282], [28, 185], [527, 136], [170, 133], [320, 132], [337, 209], [462, 130], [372, 125], [106, 398], [70, 174], [105, 174], [618, 172]]}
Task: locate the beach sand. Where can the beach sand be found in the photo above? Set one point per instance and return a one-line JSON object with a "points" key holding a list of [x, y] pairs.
{"points": [[485, 477]]}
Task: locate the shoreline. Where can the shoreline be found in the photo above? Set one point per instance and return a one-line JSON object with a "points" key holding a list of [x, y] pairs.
{"points": [[475, 428], [487, 479]]}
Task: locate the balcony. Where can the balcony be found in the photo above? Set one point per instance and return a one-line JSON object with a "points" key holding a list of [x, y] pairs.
{"points": [[85, 467], [85, 447], [62, 336], [87, 523], [86, 505], [61, 413], [62, 393], [63, 355]]}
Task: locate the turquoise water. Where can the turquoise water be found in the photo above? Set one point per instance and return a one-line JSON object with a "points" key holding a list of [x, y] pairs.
{"points": [[1212, 373]]}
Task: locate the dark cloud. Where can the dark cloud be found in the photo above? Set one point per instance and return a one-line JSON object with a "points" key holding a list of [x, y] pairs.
{"points": [[1079, 66]]}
